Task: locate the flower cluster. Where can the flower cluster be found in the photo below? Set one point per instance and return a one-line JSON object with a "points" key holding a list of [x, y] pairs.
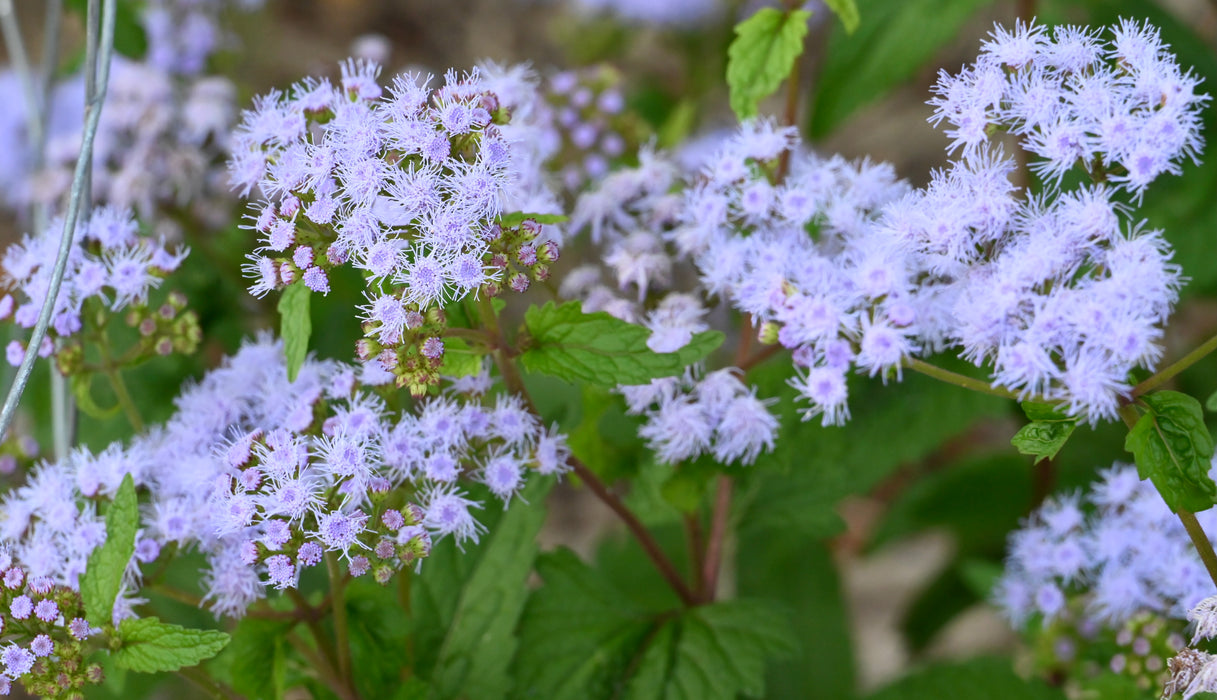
{"points": [[1122, 109], [110, 267], [160, 144], [264, 477], [806, 258], [1130, 555], [1194, 671], [587, 123], [183, 34], [689, 416], [43, 634], [407, 185]]}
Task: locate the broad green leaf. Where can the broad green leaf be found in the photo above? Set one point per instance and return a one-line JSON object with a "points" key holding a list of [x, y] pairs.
{"points": [[823, 667], [1173, 448], [713, 651], [598, 348], [152, 646], [1210, 404], [762, 55], [379, 634], [578, 635], [295, 326], [465, 606], [988, 678], [581, 637], [103, 574], [258, 654], [1047, 432], [459, 359], [847, 12], [894, 43], [480, 641], [516, 218]]}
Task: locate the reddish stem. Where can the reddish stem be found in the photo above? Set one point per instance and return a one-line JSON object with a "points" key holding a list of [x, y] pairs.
{"points": [[718, 533]]}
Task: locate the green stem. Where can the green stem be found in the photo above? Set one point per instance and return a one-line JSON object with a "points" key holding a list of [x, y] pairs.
{"points": [[1201, 541], [1169, 372], [314, 626], [342, 640], [124, 399], [472, 334], [959, 380]]}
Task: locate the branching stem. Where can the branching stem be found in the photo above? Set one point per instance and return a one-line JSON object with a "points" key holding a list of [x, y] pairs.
{"points": [[1169, 372]]}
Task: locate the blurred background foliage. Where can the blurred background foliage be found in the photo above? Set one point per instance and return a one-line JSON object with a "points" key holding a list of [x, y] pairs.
{"points": [[877, 541]]}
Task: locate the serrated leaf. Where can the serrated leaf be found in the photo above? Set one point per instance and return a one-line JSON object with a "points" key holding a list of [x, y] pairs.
{"points": [[823, 668], [516, 218], [480, 641], [258, 658], [989, 678], [762, 55], [847, 12], [1173, 448], [295, 326], [459, 359], [152, 646], [601, 349], [581, 637], [1047, 432], [103, 576], [889, 48]]}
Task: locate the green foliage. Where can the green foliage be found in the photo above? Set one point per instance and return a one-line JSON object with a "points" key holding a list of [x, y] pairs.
{"points": [[1173, 448], [992, 679], [897, 39], [847, 12], [152, 646], [130, 40], [1047, 432], [467, 605], [781, 565], [82, 389], [795, 487], [600, 349], [258, 653], [1210, 404], [459, 359], [517, 217], [295, 326], [762, 55], [103, 576], [580, 637]]}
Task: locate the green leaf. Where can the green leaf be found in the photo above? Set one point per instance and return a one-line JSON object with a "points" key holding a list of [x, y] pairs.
{"points": [[459, 360], [1173, 448], [601, 349], [103, 574], [823, 668], [295, 326], [988, 678], [1047, 432], [152, 646], [847, 12], [1210, 404], [130, 39], [893, 45], [516, 218], [762, 55], [581, 637], [713, 651], [467, 604], [258, 654]]}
